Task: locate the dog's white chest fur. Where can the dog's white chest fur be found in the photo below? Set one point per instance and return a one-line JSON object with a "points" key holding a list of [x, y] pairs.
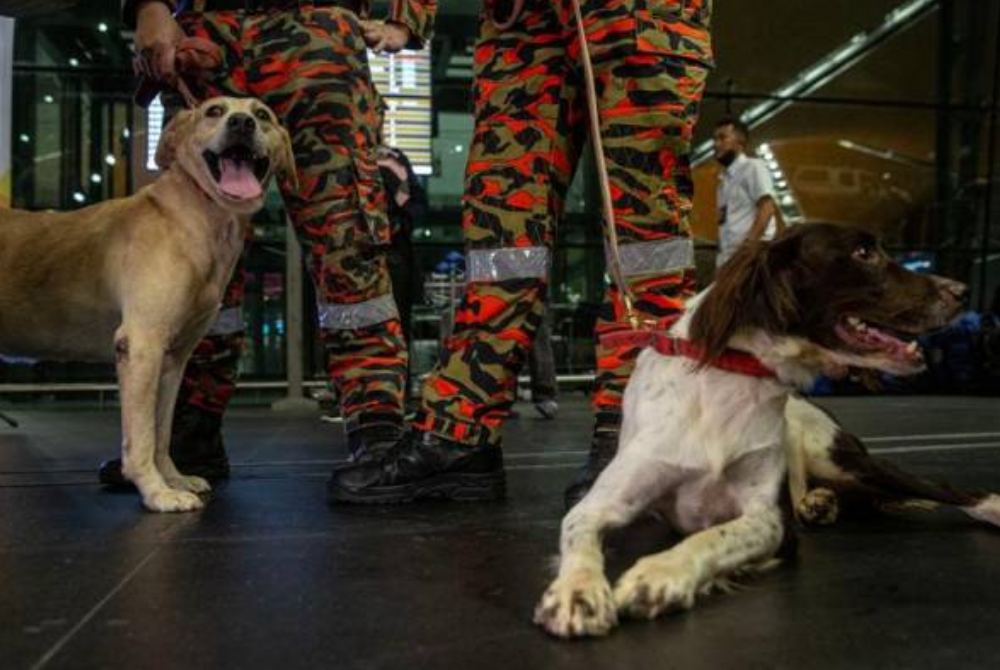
{"points": [[707, 423]]}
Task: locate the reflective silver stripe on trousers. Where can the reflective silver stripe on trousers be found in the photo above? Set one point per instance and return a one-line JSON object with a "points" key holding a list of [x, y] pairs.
{"points": [[359, 315], [490, 265], [657, 257], [229, 321]]}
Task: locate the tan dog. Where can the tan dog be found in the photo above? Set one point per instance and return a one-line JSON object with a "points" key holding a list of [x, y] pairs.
{"points": [[139, 280]]}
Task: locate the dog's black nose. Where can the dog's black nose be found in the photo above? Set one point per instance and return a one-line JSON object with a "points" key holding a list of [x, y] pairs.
{"points": [[242, 124], [955, 290], [961, 292]]}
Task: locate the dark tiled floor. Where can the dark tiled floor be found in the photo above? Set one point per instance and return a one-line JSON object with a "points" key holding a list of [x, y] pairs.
{"points": [[269, 577]]}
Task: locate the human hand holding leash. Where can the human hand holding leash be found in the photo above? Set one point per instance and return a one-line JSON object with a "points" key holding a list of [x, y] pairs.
{"points": [[165, 55], [385, 36], [157, 35]]}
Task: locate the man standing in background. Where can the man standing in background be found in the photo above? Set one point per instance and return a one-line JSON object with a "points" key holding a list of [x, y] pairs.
{"points": [[748, 208]]}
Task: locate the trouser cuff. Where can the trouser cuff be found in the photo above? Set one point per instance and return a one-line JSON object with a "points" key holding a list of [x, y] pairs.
{"points": [[470, 434], [374, 420]]}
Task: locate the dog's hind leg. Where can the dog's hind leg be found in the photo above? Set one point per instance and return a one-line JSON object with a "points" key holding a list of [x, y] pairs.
{"points": [[139, 360], [838, 458], [170, 381], [579, 601]]}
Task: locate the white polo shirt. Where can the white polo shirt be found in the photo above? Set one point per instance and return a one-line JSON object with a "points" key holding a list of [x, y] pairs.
{"points": [[741, 186]]}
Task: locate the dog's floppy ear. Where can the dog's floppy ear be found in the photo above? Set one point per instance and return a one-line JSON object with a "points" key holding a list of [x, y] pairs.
{"points": [[172, 136], [752, 290], [285, 161]]}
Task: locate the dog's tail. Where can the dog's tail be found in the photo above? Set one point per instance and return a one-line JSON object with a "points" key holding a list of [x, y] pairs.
{"points": [[821, 451]]}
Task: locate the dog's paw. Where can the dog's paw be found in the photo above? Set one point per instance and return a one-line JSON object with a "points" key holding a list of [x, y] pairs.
{"points": [[655, 585], [189, 483], [172, 500], [818, 507], [577, 605]]}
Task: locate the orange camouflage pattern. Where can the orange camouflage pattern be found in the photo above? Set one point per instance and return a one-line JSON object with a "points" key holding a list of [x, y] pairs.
{"points": [[309, 64], [530, 129]]}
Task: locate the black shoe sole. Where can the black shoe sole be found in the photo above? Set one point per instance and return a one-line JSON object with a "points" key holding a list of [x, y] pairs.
{"points": [[459, 487]]}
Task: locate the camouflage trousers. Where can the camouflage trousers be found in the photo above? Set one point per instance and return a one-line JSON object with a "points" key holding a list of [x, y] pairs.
{"points": [[530, 127], [310, 66]]}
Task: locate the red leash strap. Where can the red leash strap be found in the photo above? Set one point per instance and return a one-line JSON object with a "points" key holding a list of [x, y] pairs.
{"points": [[639, 338], [189, 100], [194, 57]]}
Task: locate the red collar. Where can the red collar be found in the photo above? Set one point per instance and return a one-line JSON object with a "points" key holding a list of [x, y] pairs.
{"points": [[731, 360]]}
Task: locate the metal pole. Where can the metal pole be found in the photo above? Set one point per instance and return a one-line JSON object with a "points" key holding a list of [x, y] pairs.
{"points": [[944, 182], [295, 400], [991, 159]]}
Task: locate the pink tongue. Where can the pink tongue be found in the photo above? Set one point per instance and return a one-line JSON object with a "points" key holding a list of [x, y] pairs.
{"points": [[238, 180]]}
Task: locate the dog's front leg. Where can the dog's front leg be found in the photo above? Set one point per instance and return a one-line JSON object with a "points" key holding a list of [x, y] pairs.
{"points": [[170, 382], [579, 602], [671, 579], [139, 360]]}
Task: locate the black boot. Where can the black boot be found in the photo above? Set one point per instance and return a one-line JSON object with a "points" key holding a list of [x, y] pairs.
{"points": [[195, 446], [603, 448], [420, 466], [371, 443]]}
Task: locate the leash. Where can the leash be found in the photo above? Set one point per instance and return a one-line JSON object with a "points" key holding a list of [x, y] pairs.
{"points": [[610, 233], [189, 100], [515, 14], [193, 56]]}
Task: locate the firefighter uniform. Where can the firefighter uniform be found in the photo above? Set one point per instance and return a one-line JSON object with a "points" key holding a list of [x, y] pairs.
{"points": [[308, 61], [651, 58]]}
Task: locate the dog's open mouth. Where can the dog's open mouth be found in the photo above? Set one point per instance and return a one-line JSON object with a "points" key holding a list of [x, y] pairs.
{"points": [[865, 338], [238, 171]]}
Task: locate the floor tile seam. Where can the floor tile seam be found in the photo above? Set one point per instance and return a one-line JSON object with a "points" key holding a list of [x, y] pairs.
{"points": [[61, 643], [517, 467]]}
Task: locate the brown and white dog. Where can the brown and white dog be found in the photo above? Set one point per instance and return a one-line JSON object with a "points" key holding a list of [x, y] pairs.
{"points": [[705, 442], [139, 280], [826, 463]]}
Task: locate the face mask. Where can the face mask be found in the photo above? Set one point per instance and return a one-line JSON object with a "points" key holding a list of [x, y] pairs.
{"points": [[727, 158]]}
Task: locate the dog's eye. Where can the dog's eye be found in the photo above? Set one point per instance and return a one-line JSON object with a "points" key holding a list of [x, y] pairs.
{"points": [[215, 111], [865, 253], [262, 115]]}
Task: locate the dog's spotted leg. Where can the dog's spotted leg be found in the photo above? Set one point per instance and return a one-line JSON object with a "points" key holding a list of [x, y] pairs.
{"points": [[672, 579], [139, 359], [579, 602]]}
